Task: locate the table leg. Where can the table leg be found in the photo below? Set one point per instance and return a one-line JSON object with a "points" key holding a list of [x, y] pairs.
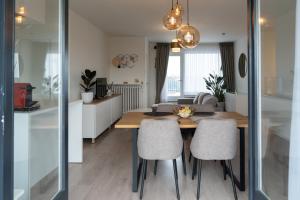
{"points": [[136, 167], [242, 159]]}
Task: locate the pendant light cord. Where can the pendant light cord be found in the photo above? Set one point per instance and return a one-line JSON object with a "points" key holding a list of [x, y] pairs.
{"points": [[188, 12], [172, 4]]}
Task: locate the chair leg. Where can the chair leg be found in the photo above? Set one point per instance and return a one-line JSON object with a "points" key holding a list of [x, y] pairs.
{"points": [[176, 178], [194, 168], [232, 180], [183, 160], [155, 167], [143, 175], [146, 170], [223, 163], [199, 165]]}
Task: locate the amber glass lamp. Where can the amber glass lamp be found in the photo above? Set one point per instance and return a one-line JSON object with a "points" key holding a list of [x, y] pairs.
{"points": [[171, 21], [188, 36]]}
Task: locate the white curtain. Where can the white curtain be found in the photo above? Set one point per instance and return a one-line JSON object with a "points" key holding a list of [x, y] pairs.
{"points": [[294, 165], [198, 64]]}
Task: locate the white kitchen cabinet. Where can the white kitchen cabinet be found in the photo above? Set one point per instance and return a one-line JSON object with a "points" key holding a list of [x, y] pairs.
{"points": [[100, 115]]}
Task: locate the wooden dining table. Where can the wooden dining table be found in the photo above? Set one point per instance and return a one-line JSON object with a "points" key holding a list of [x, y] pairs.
{"points": [[132, 120]]}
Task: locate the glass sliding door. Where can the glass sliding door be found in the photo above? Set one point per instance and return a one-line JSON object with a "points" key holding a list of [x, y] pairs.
{"points": [[40, 99], [273, 98]]}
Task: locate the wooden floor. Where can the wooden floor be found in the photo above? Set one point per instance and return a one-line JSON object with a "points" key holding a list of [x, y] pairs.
{"points": [[106, 174]]}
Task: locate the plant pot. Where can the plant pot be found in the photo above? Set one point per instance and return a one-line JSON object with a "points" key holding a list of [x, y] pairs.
{"points": [[220, 106], [87, 97]]}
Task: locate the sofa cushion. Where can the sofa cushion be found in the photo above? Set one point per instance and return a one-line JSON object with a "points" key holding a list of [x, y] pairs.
{"points": [[210, 99], [201, 97], [166, 107], [195, 101], [185, 101], [203, 108]]}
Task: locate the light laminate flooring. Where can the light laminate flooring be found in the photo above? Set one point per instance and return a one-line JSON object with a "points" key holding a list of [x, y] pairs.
{"points": [[106, 174]]}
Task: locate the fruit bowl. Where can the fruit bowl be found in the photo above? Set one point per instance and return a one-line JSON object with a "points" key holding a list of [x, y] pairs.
{"points": [[184, 111]]}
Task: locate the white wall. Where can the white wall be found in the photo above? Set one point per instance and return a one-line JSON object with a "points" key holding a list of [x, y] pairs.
{"points": [[129, 45], [240, 46], [87, 49], [241, 98]]}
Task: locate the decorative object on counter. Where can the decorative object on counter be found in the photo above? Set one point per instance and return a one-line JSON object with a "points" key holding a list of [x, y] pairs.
{"points": [[184, 111], [215, 84], [109, 89], [87, 84], [101, 87], [242, 65], [136, 80], [125, 60], [23, 97]]}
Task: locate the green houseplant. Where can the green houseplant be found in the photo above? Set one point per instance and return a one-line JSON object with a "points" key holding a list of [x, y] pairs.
{"points": [[215, 84], [88, 84]]}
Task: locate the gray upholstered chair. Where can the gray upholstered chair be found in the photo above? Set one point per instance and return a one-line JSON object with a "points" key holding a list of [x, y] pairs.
{"points": [[159, 140], [169, 107], [166, 107], [215, 140]]}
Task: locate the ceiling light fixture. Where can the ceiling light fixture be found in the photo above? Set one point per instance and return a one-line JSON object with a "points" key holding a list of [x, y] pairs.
{"points": [[178, 9], [172, 21], [188, 36], [20, 15]]}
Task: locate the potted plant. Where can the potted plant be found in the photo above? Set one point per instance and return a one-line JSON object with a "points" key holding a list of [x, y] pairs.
{"points": [[87, 84], [215, 84]]}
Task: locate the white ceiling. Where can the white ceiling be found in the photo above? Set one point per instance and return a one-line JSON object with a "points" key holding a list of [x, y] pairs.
{"points": [[144, 17]]}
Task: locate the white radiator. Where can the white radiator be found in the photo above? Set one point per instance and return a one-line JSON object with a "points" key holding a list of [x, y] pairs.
{"points": [[132, 95]]}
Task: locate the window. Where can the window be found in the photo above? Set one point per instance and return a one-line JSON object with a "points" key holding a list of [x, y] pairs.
{"points": [[198, 64], [172, 83], [187, 70]]}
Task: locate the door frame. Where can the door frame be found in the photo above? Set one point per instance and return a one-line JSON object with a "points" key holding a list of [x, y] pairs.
{"points": [[64, 98], [255, 192], [7, 20], [6, 98]]}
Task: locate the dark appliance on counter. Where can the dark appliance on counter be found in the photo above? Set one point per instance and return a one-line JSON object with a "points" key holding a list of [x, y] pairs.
{"points": [[101, 87], [23, 97]]}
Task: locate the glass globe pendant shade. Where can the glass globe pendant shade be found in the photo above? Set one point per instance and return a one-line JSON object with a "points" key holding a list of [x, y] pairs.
{"points": [[178, 10], [171, 21], [188, 36]]}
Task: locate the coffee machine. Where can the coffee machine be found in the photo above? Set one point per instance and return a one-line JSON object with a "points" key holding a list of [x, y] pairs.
{"points": [[23, 97]]}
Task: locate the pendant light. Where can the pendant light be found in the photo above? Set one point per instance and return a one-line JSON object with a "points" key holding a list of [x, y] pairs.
{"points": [[175, 47], [188, 36], [178, 9], [172, 21], [20, 15]]}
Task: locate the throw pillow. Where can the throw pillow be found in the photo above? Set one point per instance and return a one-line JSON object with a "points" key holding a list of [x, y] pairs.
{"points": [[201, 96]]}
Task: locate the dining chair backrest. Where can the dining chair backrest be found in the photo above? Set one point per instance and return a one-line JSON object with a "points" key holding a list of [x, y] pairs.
{"points": [[159, 139], [215, 139], [165, 107]]}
